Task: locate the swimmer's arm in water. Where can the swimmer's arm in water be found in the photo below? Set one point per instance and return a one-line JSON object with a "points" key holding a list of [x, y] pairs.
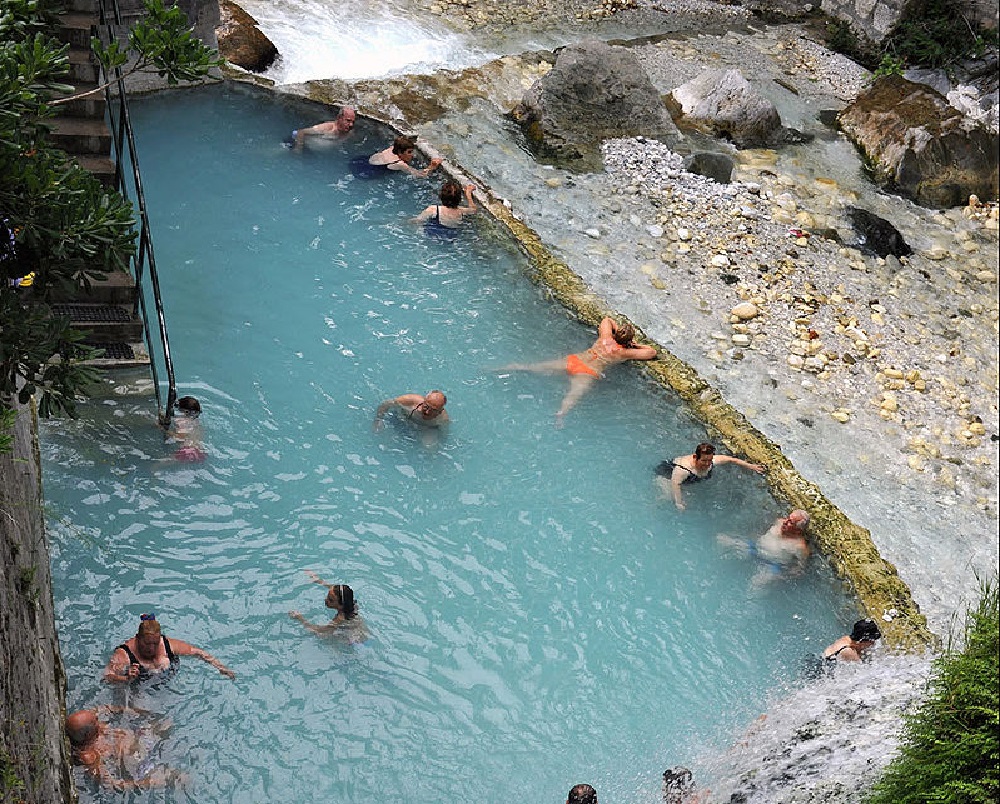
{"points": [[677, 478], [119, 669], [406, 400], [316, 629], [420, 174], [316, 579], [754, 467], [184, 649]]}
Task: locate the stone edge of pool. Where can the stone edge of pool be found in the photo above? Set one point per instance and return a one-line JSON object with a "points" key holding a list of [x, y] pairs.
{"points": [[847, 546]]}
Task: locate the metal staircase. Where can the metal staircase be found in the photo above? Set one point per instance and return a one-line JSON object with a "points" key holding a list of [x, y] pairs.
{"points": [[91, 129]]}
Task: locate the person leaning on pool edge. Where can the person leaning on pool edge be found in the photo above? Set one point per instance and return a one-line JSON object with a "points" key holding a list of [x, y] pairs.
{"points": [[693, 468], [397, 158], [854, 646]]}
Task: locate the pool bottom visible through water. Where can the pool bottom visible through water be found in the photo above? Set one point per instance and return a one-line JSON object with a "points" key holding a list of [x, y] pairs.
{"points": [[539, 614]]}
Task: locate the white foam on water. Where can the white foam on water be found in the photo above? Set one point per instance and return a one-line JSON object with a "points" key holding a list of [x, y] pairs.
{"points": [[319, 39]]}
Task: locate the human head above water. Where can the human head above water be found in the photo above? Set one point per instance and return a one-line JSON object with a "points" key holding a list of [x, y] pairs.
{"points": [[403, 143], [451, 193], [436, 399], [582, 794], [865, 631], [81, 727], [795, 522], [341, 598], [624, 334], [676, 783], [188, 405], [346, 116], [148, 625], [704, 450]]}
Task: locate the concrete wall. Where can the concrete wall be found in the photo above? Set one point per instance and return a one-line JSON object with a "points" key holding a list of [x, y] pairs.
{"points": [[34, 765]]}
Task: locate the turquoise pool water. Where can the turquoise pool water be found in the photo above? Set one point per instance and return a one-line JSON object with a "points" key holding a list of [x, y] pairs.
{"points": [[539, 616]]}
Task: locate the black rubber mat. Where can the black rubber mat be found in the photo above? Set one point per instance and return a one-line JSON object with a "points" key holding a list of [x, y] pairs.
{"points": [[95, 314]]}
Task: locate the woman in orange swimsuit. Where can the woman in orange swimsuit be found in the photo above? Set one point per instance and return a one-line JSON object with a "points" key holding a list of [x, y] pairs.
{"points": [[615, 344]]}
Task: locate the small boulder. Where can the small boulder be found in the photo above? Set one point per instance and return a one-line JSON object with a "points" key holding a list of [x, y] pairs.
{"points": [[241, 42], [593, 92], [920, 146], [717, 167], [722, 103], [876, 235]]}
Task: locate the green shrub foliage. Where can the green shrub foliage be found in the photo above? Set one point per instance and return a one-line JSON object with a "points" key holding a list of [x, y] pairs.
{"points": [[950, 752], [56, 220]]}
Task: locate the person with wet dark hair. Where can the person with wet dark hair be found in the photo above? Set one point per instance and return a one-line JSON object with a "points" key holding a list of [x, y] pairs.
{"points": [[615, 344], [185, 429], [671, 475], [448, 213], [397, 158], [854, 647], [150, 652], [582, 794], [347, 623], [678, 788]]}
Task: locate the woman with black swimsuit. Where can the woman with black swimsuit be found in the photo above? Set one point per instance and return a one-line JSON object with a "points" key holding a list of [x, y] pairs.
{"points": [[694, 468], [150, 652]]}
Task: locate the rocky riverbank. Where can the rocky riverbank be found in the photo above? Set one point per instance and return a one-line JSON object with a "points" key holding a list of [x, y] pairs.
{"points": [[877, 376]]}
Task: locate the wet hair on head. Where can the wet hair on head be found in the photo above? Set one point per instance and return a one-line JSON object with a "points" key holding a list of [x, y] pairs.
{"points": [[451, 193], [402, 143], [704, 448], [676, 782], [865, 631], [347, 602], [188, 405], [147, 625], [624, 334], [582, 794]]}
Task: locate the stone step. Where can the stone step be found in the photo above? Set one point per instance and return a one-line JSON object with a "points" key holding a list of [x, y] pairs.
{"points": [[80, 135], [117, 287], [105, 323], [76, 28], [82, 66], [101, 167], [91, 105]]}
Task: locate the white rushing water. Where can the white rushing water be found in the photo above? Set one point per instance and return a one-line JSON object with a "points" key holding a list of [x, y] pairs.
{"points": [[356, 39]]}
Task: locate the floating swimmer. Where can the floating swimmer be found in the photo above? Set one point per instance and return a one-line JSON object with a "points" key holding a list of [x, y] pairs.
{"points": [[348, 624], [330, 130], [615, 344], [671, 475], [186, 429]]}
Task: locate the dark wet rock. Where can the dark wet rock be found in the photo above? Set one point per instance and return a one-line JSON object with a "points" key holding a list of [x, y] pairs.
{"points": [[592, 93], [717, 167], [829, 117], [876, 235], [918, 145], [723, 104], [241, 42]]}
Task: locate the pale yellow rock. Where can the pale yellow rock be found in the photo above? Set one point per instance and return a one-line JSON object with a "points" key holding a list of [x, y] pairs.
{"points": [[893, 373], [745, 311], [977, 428], [841, 415], [554, 182], [919, 385], [916, 464], [658, 283], [889, 404]]}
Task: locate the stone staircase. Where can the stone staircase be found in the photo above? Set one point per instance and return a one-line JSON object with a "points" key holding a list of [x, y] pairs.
{"points": [[108, 310]]}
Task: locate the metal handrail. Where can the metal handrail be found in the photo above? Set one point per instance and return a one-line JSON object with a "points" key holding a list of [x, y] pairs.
{"points": [[121, 132]]}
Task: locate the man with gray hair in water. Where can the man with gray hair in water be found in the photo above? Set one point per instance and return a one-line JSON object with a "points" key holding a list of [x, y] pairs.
{"points": [[331, 129], [582, 794]]}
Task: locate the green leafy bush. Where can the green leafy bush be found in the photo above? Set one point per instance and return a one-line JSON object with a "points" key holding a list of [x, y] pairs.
{"points": [[950, 752]]}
